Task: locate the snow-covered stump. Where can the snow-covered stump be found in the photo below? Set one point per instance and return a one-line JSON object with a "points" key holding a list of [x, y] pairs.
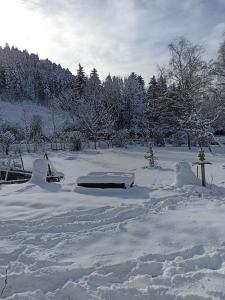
{"points": [[185, 175], [39, 172]]}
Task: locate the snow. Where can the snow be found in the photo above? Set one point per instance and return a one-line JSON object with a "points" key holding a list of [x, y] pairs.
{"points": [[154, 241], [107, 177], [39, 171], [15, 113], [185, 175]]}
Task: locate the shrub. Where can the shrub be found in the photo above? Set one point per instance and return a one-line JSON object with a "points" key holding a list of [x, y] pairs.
{"points": [[121, 138], [75, 139]]}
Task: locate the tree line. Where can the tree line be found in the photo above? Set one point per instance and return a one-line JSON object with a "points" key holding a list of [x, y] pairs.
{"points": [[182, 104], [24, 76]]}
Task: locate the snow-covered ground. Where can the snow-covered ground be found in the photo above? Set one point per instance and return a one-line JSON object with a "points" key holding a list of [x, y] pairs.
{"points": [[154, 241], [16, 113]]}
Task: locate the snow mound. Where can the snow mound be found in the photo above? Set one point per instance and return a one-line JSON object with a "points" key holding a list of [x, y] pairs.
{"points": [[185, 175], [39, 172]]}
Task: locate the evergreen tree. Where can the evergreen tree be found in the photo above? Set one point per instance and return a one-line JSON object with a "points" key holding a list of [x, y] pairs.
{"points": [[24, 76], [162, 85], [153, 89], [94, 84], [113, 87], [133, 103], [2, 80], [80, 83], [141, 81], [161, 110]]}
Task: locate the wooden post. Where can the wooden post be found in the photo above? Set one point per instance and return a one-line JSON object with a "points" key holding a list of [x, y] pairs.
{"points": [[203, 174], [49, 167], [202, 162], [21, 159], [8, 169], [189, 141]]}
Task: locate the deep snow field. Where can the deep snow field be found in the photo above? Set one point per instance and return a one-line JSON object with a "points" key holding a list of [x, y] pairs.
{"points": [[154, 241]]}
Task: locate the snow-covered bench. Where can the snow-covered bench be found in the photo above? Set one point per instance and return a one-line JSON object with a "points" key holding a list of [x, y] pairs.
{"points": [[106, 180]]}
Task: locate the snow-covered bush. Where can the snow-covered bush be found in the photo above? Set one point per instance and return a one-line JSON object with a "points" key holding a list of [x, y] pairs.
{"points": [[36, 132], [75, 139], [158, 139], [177, 139], [150, 156], [7, 138], [121, 139]]}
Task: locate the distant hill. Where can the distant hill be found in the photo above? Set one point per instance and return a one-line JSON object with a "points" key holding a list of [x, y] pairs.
{"points": [[24, 76], [15, 114]]}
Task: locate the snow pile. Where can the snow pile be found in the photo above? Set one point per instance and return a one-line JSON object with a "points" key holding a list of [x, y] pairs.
{"points": [[185, 175], [39, 172]]}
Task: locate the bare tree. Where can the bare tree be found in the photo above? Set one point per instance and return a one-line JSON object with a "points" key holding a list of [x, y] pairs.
{"points": [[95, 118], [67, 102], [190, 73], [7, 138], [26, 128]]}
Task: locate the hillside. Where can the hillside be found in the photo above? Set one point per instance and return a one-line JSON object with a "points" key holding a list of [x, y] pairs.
{"points": [[23, 76], [16, 113]]}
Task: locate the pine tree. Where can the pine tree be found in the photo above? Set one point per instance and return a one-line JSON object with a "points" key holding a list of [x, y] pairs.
{"points": [[2, 80], [112, 89], [152, 108], [141, 81], [80, 83], [161, 110], [162, 85], [94, 86], [24, 76], [153, 89], [133, 103]]}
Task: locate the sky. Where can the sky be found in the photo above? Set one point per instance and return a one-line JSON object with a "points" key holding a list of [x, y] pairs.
{"points": [[114, 36]]}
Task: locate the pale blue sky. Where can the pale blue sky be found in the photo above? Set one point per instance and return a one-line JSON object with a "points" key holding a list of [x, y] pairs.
{"points": [[116, 36]]}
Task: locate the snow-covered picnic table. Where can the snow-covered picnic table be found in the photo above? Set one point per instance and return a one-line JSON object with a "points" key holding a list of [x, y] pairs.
{"points": [[107, 180]]}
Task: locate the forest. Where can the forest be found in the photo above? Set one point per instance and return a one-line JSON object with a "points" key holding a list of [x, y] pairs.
{"points": [[182, 104]]}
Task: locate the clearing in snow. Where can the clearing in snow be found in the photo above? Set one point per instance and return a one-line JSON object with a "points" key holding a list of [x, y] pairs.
{"points": [[155, 241]]}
